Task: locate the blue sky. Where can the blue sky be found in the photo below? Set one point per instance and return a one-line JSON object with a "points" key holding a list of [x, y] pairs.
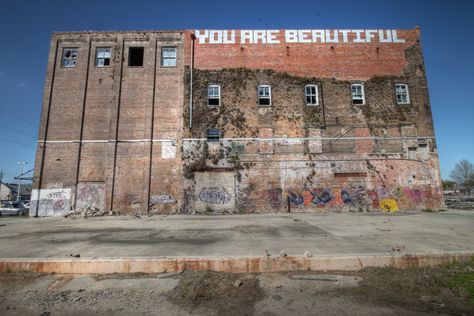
{"points": [[26, 27]]}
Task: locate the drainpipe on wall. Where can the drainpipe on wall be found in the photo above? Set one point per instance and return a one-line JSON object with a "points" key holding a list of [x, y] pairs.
{"points": [[193, 37]]}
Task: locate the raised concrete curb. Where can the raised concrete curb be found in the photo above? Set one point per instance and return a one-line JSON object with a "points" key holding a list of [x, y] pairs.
{"points": [[228, 264]]}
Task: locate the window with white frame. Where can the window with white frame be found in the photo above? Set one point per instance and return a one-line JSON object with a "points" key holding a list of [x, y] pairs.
{"points": [[102, 56], [401, 91], [214, 95], [264, 95], [311, 94], [69, 57], [358, 96], [168, 57]]}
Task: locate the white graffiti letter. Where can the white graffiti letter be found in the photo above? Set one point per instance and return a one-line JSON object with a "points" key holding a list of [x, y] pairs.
{"points": [[382, 38], [335, 38], [201, 37], [291, 36], [345, 39], [358, 38], [395, 38], [304, 36], [259, 35], [318, 34], [246, 35], [369, 34], [272, 37], [226, 38]]}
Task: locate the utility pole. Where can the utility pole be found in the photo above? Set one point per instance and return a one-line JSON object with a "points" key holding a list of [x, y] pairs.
{"points": [[1, 181], [21, 163]]}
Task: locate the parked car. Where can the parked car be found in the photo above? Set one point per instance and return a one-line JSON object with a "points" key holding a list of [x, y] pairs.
{"points": [[13, 208]]}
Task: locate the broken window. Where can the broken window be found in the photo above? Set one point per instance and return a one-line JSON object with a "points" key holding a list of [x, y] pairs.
{"points": [[358, 93], [401, 91], [69, 57], [213, 135], [168, 57], [264, 95], [214, 95], [311, 94], [102, 56], [135, 56]]}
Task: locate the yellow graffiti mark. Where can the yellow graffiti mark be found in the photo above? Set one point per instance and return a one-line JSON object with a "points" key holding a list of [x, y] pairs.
{"points": [[389, 205]]}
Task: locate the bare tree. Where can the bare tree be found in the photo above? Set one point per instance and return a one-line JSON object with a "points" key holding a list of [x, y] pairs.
{"points": [[463, 174]]}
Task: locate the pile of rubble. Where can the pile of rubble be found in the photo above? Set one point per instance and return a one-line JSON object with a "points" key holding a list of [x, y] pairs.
{"points": [[460, 202], [88, 212]]}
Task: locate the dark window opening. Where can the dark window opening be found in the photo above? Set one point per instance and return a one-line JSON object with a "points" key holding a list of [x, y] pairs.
{"points": [[213, 101], [213, 135], [135, 56]]}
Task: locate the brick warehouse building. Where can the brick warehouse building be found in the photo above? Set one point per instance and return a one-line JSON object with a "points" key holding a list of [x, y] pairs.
{"points": [[277, 121]]}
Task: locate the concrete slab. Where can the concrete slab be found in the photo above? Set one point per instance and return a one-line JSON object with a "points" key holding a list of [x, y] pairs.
{"points": [[227, 239]]}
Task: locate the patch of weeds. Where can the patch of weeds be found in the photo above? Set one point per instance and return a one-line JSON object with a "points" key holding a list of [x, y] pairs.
{"points": [[460, 279], [428, 210], [208, 210]]}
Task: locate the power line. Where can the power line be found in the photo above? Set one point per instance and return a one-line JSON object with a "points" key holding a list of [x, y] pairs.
{"points": [[18, 131], [16, 116], [14, 142]]}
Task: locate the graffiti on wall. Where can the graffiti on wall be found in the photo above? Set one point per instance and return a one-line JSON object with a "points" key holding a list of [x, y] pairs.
{"points": [[355, 195], [134, 201], [161, 199], [389, 205], [52, 202], [90, 195], [275, 196], [215, 195]]}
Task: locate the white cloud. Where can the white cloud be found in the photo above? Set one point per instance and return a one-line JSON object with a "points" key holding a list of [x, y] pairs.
{"points": [[22, 84]]}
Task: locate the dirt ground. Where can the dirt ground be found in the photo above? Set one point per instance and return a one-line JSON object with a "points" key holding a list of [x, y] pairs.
{"points": [[446, 290]]}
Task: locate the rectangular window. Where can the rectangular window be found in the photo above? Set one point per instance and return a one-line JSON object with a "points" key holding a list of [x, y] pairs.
{"points": [[102, 57], [264, 95], [401, 91], [214, 95], [69, 57], [311, 94], [213, 135], [358, 93], [135, 56], [168, 57]]}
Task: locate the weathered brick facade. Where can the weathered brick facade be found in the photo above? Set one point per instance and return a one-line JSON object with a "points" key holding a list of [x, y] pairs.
{"points": [[120, 137]]}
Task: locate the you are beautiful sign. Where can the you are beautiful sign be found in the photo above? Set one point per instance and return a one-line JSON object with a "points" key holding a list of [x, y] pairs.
{"points": [[296, 36]]}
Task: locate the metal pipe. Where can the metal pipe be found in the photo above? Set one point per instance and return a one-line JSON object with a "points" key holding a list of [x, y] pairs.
{"points": [[193, 37], [111, 204], [81, 133], [152, 131]]}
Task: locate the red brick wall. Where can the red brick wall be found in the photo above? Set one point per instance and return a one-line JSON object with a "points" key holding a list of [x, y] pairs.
{"points": [[324, 60]]}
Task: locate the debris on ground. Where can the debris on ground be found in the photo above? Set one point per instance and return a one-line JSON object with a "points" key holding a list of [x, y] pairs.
{"points": [[216, 293], [460, 202], [399, 247], [87, 212]]}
